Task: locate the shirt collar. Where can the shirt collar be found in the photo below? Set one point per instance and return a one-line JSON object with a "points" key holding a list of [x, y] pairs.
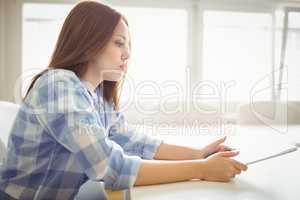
{"points": [[89, 88]]}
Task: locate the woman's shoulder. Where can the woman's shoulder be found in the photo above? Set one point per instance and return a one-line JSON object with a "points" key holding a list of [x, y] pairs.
{"points": [[58, 75], [55, 85], [58, 81]]}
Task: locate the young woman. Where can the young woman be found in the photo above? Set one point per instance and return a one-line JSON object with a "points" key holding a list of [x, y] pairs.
{"points": [[69, 128]]}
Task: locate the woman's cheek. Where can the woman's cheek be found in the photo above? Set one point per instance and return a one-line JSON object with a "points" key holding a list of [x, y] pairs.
{"points": [[117, 55]]}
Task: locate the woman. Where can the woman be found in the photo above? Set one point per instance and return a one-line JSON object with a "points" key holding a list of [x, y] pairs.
{"points": [[69, 129]]}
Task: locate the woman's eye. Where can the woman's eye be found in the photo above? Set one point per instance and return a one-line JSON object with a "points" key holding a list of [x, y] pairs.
{"points": [[120, 44]]}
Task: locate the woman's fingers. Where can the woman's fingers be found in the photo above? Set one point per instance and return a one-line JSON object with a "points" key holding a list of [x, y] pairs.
{"points": [[213, 147], [225, 148], [239, 165], [219, 141], [234, 171], [236, 164], [228, 153], [237, 171]]}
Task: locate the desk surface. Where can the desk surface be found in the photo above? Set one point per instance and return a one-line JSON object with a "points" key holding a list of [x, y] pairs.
{"points": [[274, 179]]}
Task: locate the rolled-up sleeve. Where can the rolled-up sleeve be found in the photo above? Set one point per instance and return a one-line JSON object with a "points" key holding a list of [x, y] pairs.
{"points": [[133, 142], [68, 114]]}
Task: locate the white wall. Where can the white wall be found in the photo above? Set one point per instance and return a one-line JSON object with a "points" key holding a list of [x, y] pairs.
{"points": [[2, 57], [10, 46]]}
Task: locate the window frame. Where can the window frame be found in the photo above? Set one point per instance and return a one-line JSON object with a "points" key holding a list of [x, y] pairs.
{"points": [[287, 9]]}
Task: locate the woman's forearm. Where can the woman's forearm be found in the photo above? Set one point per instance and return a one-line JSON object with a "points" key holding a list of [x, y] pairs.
{"points": [[218, 167], [174, 152], [159, 171]]}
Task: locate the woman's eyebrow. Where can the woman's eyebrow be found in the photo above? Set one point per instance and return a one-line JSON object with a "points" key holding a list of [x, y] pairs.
{"points": [[122, 36]]}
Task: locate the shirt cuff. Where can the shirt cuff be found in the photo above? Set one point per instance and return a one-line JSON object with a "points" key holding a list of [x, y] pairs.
{"points": [[150, 148], [127, 175]]}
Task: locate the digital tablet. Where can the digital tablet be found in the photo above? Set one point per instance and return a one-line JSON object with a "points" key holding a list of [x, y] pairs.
{"points": [[277, 154]]}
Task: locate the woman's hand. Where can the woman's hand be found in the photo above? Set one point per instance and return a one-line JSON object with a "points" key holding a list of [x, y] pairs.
{"points": [[220, 167], [175, 152], [214, 147]]}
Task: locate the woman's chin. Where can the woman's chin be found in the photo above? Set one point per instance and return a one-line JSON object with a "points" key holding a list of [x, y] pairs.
{"points": [[113, 77]]}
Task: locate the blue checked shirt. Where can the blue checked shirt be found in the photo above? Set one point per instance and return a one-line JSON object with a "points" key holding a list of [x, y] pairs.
{"points": [[65, 134]]}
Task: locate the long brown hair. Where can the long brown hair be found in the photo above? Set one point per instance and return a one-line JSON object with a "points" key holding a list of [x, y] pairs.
{"points": [[85, 32]]}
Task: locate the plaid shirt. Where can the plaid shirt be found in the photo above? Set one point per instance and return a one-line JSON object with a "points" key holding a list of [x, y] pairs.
{"points": [[65, 134]]}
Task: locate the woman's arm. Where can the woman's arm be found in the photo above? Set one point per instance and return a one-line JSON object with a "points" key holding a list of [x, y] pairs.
{"points": [[218, 167], [157, 172], [132, 141], [174, 152]]}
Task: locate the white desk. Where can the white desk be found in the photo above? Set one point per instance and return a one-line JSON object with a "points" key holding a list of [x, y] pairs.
{"points": [[275, 179]]}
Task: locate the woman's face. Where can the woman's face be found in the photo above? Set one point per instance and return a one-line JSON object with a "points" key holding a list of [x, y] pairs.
{"points": [[112, 61]]}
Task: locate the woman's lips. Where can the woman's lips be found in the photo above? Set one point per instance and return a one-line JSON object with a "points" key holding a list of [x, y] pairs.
{"points": [[123, 66]]}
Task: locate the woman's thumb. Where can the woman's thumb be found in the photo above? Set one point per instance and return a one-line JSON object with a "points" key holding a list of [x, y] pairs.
{"points": [[219, 141]]}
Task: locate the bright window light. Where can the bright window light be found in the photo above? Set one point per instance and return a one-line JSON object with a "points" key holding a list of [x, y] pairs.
{"points": [[41, 26], [159, 50], [237, 48], [292, 57], [159, 43]]}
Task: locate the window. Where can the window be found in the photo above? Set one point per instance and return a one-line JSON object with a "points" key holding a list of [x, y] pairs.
{"points": [[289, 77], [237, 49], [159, 51], [159, 44], [41, 26], [292, 56]]}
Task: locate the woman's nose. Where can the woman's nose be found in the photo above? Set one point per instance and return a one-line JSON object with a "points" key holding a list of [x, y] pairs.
{"points": [[126, 55]]}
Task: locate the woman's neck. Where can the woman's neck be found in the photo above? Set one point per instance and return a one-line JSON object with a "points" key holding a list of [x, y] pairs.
{"points": [[92, 78]]}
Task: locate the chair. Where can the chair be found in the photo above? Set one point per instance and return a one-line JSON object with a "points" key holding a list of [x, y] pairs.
{"points": [[8, 112]]}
